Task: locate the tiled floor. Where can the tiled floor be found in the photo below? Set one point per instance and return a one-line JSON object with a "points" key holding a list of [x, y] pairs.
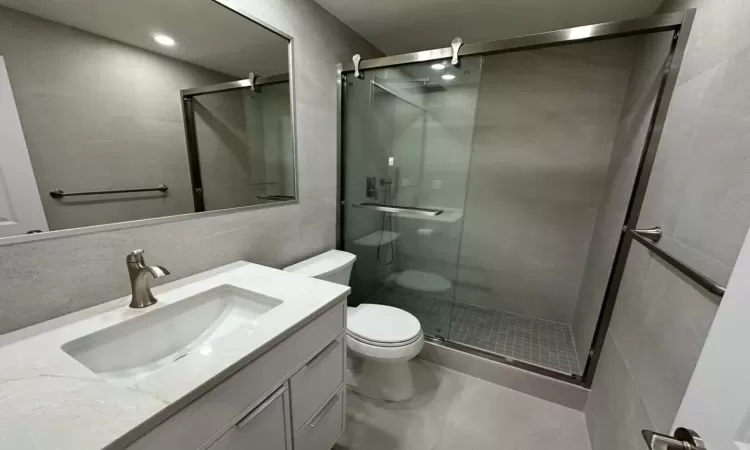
{"points": [[536, 341], [456, 411]]}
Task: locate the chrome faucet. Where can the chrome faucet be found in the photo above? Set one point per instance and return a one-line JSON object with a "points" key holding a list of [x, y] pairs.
{"points": [[139, 271]]}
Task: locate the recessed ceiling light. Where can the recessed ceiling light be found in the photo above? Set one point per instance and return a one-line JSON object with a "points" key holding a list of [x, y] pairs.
{"points": [[449, 76], [438, 66], [164, 40]]}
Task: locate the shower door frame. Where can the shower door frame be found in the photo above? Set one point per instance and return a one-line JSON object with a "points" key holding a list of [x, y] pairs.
{"points": [[191, 134], [679, 23]]}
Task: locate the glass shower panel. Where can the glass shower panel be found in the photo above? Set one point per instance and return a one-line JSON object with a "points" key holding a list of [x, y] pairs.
{"points": [[541, 218], [406, 149]]}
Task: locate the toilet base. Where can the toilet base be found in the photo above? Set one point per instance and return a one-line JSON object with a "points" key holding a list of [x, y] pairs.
{"points": [[389, 381]]}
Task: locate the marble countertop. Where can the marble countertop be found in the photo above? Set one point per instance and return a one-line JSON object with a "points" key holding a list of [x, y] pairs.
{"points": [[48, 400]]}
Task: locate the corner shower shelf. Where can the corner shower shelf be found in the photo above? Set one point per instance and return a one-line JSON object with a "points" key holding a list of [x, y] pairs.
{"points": [[449, 215]]}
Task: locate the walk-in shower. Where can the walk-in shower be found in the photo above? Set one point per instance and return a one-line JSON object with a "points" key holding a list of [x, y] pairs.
{"points": [[487, 191]]}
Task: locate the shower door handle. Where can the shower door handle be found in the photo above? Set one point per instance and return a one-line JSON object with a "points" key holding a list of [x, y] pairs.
{"points": [[399, 209]]}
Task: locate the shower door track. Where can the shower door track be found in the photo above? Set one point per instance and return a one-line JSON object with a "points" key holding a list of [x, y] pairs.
{"points": [[607, 30], [680, 24]]}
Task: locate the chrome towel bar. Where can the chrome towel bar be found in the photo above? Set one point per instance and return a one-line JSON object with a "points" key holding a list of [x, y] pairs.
{"points": [[59, 193], [399, 209], [648, 239], [275, 197]]}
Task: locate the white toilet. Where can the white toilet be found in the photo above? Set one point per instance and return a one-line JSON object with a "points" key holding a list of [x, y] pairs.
{"points": [[381, 339]]}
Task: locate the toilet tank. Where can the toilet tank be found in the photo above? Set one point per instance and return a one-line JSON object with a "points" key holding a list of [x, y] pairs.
{"points": [[334, 266]]}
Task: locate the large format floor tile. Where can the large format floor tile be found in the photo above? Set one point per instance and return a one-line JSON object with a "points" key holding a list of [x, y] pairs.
{"points": [[456, 411]]}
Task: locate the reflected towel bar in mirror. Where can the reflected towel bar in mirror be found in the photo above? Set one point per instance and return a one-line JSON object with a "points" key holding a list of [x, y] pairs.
{"points": [[275, 197], [59, 193], [399, 209], [648, 239]]}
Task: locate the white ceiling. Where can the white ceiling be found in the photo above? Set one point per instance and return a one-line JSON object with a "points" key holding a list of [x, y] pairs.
{"points": [[403, 26], [207, 33]]}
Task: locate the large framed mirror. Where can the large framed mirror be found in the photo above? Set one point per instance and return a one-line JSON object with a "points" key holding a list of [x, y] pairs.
{"points": [[119, 113]]}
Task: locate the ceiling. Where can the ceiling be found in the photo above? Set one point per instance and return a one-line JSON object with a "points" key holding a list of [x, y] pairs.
{"points": [[403, 26], [207, 33]]}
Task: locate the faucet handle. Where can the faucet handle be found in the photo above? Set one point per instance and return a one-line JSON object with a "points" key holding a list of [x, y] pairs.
{"points": [[136, 256]]}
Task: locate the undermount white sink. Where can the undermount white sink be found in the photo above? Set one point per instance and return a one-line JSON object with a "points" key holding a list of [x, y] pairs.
{"points": [[131, 350]]}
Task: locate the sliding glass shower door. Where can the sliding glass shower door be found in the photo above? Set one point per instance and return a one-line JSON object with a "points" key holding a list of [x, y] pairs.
{"points": [[406, 147], [494, 199], [483, 204]]}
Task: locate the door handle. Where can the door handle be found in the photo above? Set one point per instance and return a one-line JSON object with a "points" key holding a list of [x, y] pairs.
{"points": [[683, 439]]}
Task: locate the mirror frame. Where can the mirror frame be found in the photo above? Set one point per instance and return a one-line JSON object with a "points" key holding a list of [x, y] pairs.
{"points": [[56, 234]]}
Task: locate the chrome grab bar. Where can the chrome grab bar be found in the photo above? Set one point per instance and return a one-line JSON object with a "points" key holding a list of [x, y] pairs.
{"points": [[275, 197], [59, 193], [648, 239], [399, 209]]}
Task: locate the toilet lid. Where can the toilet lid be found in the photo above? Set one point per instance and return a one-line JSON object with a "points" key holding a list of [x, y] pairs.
{"points": [[382, 324], [323, 264]]}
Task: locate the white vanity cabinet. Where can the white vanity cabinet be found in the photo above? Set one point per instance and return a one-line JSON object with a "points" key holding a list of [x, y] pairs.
{"points": [[292, 397], [267, 427]]}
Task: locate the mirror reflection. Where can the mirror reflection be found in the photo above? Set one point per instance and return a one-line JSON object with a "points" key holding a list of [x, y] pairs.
{"points": [[120, 111]]}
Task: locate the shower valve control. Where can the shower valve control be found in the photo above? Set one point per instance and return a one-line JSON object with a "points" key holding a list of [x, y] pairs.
{"points": [[372, 188]]}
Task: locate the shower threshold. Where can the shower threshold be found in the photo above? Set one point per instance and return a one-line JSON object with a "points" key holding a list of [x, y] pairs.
{"points": [[530, 340]]}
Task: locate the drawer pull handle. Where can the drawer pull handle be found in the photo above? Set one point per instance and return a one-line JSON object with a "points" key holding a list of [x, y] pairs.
{"points": [[323, 353], [259, 409], [324, 411]]}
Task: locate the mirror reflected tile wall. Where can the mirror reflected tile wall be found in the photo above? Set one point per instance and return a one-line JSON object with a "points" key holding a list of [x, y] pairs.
{"points": [[44, 279]]}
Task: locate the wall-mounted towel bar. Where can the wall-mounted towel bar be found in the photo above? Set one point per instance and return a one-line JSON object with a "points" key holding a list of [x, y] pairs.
{"points": [[59, 193], [399, 209], [275, 197], [648, 239]]}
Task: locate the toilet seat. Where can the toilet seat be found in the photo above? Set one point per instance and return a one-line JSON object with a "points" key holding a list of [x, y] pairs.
{"points": [[383, 333], [381, 344], [385, 354], [383, 326]]}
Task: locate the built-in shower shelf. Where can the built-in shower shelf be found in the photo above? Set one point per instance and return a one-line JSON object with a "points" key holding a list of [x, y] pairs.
{"points": [[449, 215], [377, 238]]}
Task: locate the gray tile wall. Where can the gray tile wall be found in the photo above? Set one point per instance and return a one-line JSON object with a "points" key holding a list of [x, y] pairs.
{"points": [[546, 124], [699, 193], [231, 169], [632, 129], [45, 279]]}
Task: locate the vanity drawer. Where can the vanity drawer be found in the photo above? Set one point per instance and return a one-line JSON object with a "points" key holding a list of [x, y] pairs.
{"points": [[321, 432], [219, 409], [266, 427], [316, 381]]}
